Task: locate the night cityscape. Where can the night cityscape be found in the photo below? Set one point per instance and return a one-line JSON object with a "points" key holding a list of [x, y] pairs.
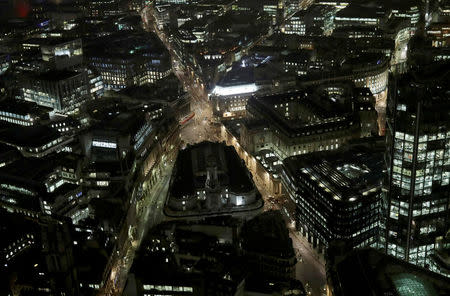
{"points": [[225, 147]]}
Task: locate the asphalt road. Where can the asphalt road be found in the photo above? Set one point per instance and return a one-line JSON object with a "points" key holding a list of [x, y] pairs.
{"points": [[143, 215]]}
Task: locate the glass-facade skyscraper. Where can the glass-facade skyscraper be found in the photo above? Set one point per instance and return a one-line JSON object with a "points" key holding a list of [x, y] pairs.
{"points": [[418, 164]]}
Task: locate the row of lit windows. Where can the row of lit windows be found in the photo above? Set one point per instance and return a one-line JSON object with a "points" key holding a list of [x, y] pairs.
{"points": [[422, 138], [168, 288], [16, 121], [18, 245]]}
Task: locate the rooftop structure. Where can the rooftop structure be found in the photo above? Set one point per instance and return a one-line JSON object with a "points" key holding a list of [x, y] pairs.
{"points": [[211, 179], [36, 140]]}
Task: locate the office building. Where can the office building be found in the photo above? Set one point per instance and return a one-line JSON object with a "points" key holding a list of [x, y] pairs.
{"points": [[35, 140], [192, 258], [409, 10], [418, 159], [61, 55], [440, 34], [301, 122], [337, 194], [64, 91], [21, 112], [316, 20], [355, 14], [38, 252], [103, 8], [230, 95], [296, 24], [126, 60], [5, 63]]}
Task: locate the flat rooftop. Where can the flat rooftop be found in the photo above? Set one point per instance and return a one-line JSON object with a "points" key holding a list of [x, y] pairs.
{"points": [[238, 76], [37, 169], [57, 75], [23, 107], [51, 41], [29, 136], [121, 45], [357, 11], [347, 173]]}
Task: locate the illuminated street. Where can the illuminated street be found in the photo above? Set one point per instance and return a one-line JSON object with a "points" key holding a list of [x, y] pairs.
{"points": [[310, 267], [150, 209], [147, 213]]}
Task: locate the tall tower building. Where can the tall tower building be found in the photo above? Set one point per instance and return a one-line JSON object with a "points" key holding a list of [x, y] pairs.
{"points": [[418, 162]]}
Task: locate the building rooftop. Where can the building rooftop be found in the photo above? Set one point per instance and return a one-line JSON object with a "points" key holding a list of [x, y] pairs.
{"points": [[346, 174], [192, 164], [7, 150], [238, 76], [57, 75], [29, 136], [194, 259], [358, 11], [211, 179], [364, 60], [34, 170], [13, 227], [267, 234], [427, 84], [50, 41], [23, 107], [264, 107], [122, 45], [370, 272], [168, 89]]}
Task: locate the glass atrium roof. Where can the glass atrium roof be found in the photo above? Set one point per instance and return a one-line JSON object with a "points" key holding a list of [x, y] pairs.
{"points": [[411, 285]]}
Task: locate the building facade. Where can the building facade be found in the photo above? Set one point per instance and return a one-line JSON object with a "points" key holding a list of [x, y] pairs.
{"points": [[418, 161], [337, 195], [294, 125], [64, 91]]}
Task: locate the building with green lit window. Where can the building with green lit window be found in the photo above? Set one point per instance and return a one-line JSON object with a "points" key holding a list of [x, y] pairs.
{"points": [[418, 162]]}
